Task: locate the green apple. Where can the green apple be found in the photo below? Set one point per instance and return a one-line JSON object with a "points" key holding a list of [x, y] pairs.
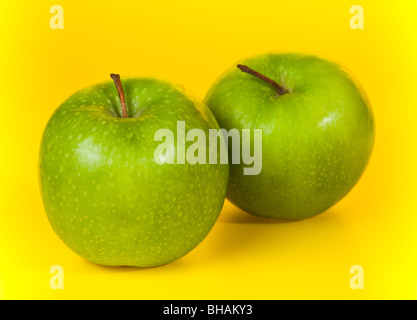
{"points": [[317, 132], [105, 195]]}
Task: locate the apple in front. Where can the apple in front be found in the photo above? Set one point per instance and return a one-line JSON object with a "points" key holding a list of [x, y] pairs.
{"points": [[103, 192], [318, 132]]}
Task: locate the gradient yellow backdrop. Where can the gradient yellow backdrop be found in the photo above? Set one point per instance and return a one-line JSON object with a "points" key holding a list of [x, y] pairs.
{"points": [[192, 42]]}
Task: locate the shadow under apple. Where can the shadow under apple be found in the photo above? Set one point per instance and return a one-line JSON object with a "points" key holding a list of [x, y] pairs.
{"points": [[239, 234]]}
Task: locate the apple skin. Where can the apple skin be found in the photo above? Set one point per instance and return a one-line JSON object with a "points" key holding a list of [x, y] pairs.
{"points": [[103, 192], [316, 141]]}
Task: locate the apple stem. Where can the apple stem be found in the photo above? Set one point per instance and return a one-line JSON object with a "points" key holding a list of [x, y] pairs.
{"points": [[119, 87], [281, 90]]}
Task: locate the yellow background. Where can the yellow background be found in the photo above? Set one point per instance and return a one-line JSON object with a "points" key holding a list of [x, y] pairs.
{"points": [[192, 42]]}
